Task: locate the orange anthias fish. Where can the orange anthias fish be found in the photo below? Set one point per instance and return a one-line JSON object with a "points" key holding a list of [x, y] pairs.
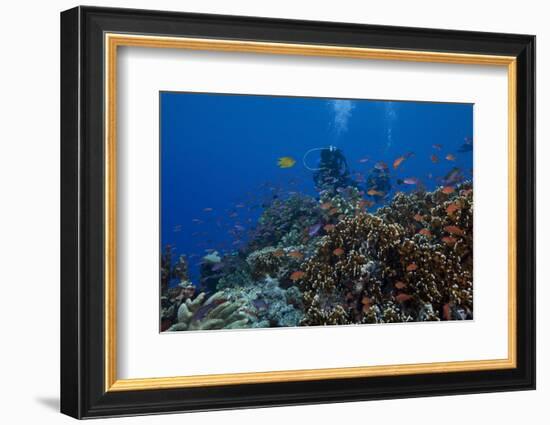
{"points": [[434, 159], [326, 205], [449, 240], [329, 227], [279, 253], [418, 217], [425, 232], [400, 285], [401, 298], [374, 192], [296, 276], [398, 162], [363, 203], [452, 208], [454, 230], [447, 190], [447, 312], [338, 252], [412, 267], [334, 211], [296, 254], [450, 157]]}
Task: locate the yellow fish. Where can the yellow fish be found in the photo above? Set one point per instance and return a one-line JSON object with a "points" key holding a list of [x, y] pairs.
{"points": [[286, 162]]}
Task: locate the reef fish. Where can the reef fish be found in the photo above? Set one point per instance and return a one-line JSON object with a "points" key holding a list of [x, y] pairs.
{"points": [[418, 217], [326, 205], [329, 227], [286, 162], [454, 230], [437, 146], [451, 208], [449, 240], [364, 203], [374, 192], [401, 298], [398, 162], [425, 232], [400, 285], [363, 160], [450, 157], [434, 159], [208, 209], [296, 276], [447, 190], [338, 252], [296, 254], [260, 304], [411, 180], [447, 312], [412, 267], [453, 176], [313, 230]]}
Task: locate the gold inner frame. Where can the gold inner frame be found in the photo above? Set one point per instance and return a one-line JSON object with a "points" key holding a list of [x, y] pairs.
{"points": [[113, 41]]}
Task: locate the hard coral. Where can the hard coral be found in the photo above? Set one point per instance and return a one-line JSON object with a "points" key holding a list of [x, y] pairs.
{"points": [[378, 268], [216, 312]]}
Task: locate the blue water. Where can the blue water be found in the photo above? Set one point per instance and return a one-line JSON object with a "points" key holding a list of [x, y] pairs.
{"points": [[219, 156]]}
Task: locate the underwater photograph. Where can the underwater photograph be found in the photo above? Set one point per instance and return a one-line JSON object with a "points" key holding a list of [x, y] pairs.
{"points": [[281, 211]]}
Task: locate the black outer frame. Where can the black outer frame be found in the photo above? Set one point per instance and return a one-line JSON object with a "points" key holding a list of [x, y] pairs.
{"points": [[82, 220]]}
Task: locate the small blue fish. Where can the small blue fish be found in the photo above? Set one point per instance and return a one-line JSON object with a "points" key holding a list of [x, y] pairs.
{"points": [[313, 230]]}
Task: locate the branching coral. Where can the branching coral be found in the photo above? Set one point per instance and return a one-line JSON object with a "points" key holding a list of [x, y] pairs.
{"points": [[279, 263], [386, 268], [216, 312]]}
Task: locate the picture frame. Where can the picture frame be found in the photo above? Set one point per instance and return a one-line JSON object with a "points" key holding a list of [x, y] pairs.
{"points": [[91, 38]]}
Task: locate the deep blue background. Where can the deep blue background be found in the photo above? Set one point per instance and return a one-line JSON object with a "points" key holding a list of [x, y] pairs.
{"points": [[221, 151]]}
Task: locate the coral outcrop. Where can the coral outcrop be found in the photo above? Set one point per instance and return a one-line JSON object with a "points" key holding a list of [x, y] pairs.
{"points": [[411, 261], [214, 312], [286, 222]]}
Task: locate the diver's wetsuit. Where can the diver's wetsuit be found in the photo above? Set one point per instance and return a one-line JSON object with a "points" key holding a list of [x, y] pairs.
{"points": [[333, 170]]}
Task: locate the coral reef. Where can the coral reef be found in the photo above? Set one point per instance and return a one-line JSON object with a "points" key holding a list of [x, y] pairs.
{"points": [[268, 304], [286, 222], [411, 261], [331, 262], [257, 304]]}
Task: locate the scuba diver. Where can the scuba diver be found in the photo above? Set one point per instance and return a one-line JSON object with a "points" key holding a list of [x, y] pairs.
{"points": [[332, 172]]}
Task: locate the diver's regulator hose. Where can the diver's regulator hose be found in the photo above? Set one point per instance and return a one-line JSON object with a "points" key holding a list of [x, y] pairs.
{"points": [[330, 148]]}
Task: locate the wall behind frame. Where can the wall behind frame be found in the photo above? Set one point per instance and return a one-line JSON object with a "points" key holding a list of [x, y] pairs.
{"points": [[29, 217]]}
